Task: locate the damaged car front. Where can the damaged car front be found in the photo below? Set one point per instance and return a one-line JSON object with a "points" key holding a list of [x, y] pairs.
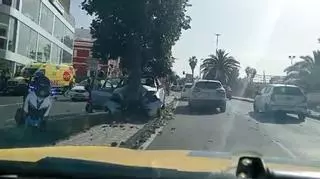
{"points": [[150, 101]]}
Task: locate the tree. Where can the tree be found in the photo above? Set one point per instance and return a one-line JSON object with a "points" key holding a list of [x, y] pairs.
{"points": [[305, 73], [140, 32], [219, 67], [193, 63], [251, 73]]}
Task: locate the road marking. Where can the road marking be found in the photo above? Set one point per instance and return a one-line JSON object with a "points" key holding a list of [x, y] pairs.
{"points": [[13, 104], [145, 145], [285, 149]]}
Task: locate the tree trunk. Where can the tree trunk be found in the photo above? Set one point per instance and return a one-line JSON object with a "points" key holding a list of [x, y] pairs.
{"points": [[134, 91]]}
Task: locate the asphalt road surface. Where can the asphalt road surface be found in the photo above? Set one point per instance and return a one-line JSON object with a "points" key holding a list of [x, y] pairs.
{"points": [[239, 130], [9, 105]]}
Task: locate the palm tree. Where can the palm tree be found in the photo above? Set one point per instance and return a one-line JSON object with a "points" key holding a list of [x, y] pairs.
{"points": [[251, 73], [304, 73], [219, 66], [193, 63]]}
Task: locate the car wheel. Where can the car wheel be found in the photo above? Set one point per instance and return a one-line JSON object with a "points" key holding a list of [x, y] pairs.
{"points": [[19, 117], [266, 110], [191, 108], [43, 125], [255, 108], [89, 108], [223, 108], [301, 116]]}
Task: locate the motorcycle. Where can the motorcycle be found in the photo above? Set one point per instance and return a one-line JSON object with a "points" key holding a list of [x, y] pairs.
{"points": [[34, 111]]}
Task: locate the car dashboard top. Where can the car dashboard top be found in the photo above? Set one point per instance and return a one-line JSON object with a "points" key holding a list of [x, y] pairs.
{"points": [[247, 167]]}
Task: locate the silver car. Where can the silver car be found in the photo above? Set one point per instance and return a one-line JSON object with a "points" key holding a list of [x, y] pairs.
{"points": [[207, 93]]}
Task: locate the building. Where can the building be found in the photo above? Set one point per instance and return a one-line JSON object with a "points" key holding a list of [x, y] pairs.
{"points": [[35, 31], [82, 57]]}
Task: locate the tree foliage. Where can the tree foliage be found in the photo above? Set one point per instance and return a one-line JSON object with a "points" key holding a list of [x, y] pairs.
{"points": [[305, 73], [193, 63], [250, 72], [137, 30], [220, 67]]}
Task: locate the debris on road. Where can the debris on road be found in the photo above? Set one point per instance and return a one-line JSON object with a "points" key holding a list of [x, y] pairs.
{"points": [[103, 135]]}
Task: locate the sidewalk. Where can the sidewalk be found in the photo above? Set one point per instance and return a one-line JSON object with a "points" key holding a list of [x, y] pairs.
{"points": [[311, 114]]}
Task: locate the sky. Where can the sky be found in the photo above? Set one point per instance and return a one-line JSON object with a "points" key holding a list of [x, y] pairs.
{"points": [[258, 33]]}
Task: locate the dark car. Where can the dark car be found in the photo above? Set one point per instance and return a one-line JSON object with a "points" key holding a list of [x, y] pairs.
{"points": [[16, 86]]}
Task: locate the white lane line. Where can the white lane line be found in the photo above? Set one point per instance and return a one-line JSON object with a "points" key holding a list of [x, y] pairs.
{"points": [[285, 149], [145, 145], [13, 104]]}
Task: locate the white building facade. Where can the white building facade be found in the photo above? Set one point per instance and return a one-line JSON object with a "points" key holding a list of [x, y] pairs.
{"points": [[35, 31]]}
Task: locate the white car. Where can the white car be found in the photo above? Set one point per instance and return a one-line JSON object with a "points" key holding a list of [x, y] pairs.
{"points": [[186, 91], [281, 99], [207, 93], [78, 93]]}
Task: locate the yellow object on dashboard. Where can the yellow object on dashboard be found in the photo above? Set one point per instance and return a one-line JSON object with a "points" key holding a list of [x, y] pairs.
{"points": [[60, 75]]}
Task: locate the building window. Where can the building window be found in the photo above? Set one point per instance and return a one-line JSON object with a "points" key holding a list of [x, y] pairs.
{"points": [[58, 29], [68, 38], [66, 57], [12, 3], [31, 9], [4, 27], [75, 53], [44, 49], [27, 45], [12, 34], [46, 19], [55, 54], [8, 27]]}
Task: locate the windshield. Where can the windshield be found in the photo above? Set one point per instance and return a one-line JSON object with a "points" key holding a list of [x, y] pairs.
{"points": [[227, 76]]}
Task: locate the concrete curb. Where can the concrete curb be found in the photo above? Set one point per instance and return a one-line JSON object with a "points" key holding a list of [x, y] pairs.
{"points": [[313, 116]]}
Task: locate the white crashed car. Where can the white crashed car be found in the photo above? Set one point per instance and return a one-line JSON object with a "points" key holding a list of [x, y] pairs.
{"points": [[152, 91]]}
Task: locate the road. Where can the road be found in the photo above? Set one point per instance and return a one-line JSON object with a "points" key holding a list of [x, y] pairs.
{"points": [[238, 130], [9, 105]]}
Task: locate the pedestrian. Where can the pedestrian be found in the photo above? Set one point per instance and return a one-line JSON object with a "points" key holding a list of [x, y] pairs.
{"points": [[7, 76]]}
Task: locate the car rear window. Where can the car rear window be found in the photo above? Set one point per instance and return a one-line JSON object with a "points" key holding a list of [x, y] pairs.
{"points": [[286, 90], [208, 85], [188, 86]]}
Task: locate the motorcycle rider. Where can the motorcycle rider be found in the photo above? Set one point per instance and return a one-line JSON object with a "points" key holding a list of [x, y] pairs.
{"points": [[39, 94]]}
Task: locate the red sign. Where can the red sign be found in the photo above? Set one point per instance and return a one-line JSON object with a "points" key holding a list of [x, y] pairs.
{"points": [[66, 76]]}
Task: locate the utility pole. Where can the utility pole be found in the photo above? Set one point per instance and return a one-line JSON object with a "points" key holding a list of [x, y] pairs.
{"points": [[291, 58], [217, 41]]}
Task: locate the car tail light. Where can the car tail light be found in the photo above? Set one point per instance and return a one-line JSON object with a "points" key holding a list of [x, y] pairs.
{"points": [[221, 91], [273, 98]]}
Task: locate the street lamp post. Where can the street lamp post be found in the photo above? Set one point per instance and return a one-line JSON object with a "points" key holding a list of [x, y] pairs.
{"points": [[217, 41], [291, 58]]}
